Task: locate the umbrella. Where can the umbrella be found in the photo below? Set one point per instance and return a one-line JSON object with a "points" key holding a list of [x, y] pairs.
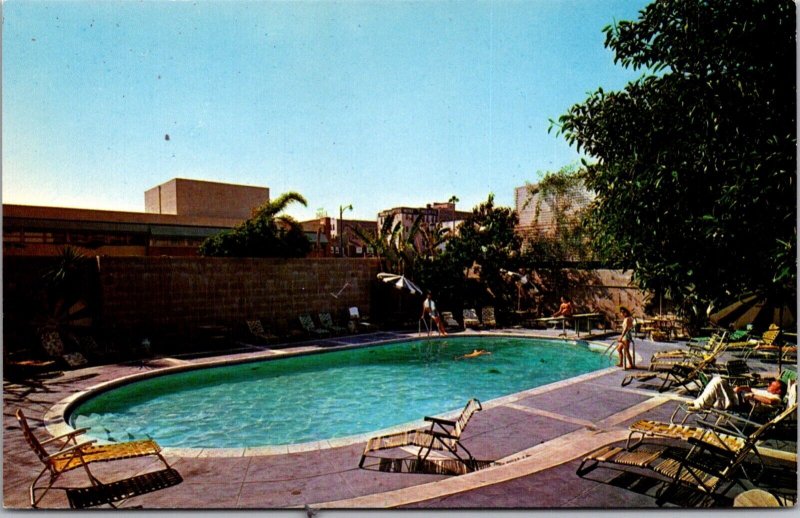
{"points": [[400, 282], [760, 311]]}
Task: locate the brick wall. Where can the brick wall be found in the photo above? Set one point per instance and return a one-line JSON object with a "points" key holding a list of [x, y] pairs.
{"points": [[166, 292], [155, 294]]}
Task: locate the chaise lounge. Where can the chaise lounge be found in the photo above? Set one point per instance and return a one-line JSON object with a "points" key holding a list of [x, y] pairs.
{"points": [[443, 435]]}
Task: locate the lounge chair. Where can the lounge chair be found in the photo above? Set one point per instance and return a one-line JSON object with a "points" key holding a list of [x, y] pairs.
{"points": [[471, 319], [691, 351], [257, 330], [767, 342], [711, 466], [72, 454], [53, 345], [326, 321], [448, 319], [677, 374], [737, 420], [443, 435], [487, 316], [310, 328], [359, 321]]}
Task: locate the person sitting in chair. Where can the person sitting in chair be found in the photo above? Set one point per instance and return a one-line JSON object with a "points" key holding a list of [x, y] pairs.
{"points": [[721, 395], [566, 309]]}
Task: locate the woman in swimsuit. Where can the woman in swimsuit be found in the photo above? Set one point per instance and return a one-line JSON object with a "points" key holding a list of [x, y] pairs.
{"points": [[625, 339]]}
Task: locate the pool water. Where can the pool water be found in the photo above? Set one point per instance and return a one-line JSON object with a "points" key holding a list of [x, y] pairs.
{"points": [[329, 395]]}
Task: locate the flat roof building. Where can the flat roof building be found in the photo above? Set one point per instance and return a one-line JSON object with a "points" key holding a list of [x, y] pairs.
{"points": [[179, 215]]}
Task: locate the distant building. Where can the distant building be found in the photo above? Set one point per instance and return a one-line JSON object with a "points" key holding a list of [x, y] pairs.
{"points": [[437, 213], [200, 198], [326, 238], [179, 215]]}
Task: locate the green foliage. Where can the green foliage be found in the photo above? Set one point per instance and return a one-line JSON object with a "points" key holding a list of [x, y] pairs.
{"points": [[694, 163], [266, 234], [66, 270], [486, 238]]}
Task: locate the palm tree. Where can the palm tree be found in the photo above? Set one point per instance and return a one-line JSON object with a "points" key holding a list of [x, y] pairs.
{"points": [[267, 233]]}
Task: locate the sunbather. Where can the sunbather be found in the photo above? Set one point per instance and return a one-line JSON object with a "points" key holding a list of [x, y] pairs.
{"points": [[566, 309], [721, 395]]}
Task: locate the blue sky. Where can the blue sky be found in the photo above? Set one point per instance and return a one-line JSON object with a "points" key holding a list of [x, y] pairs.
{"points": [[374, 104]]}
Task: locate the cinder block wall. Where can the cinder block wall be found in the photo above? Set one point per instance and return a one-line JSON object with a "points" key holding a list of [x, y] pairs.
{"points": [[157, 293]]}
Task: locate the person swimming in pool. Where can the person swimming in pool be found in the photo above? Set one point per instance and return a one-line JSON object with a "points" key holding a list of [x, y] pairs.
{"points": [[474, 354]]}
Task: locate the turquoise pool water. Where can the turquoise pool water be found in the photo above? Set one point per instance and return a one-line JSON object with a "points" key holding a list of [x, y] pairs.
{"points": [[328, 395]]}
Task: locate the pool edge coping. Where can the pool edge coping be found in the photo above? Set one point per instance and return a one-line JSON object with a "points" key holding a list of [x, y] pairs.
{"points": [[56, 423]]}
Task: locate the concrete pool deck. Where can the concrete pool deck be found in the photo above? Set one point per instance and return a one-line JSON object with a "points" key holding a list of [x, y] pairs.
{"points": [[535, 438]]}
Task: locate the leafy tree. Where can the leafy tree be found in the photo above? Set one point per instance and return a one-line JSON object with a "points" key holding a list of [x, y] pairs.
{"points": [[693, 164], [485, 238], [267, 233]]}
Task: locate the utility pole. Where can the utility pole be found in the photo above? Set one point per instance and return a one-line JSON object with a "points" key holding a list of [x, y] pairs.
{"points": [[342, 208]]}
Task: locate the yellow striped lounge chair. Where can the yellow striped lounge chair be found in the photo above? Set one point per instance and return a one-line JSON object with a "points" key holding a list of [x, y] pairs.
{"points": [[711, 347], [72, 455], [443, 435], [711, 466]]}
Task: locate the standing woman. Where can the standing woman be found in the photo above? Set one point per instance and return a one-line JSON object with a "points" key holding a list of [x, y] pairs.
{"points": [[625, 339]]}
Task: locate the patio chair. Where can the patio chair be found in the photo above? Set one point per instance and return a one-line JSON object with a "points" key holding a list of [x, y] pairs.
{"points": [[739, 419], [326, 321], [72, 455], [309, 327], [711, 466], [761, 346], [257, 331], [713, 432], [676, 374], [691, 351], [359, 321], [53, 345], [487, 316], [443, 435], [471, 319], [448, 319]]}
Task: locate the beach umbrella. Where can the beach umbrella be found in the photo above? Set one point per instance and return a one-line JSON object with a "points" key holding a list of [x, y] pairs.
{"points": [[400, 282], [758, 310]]}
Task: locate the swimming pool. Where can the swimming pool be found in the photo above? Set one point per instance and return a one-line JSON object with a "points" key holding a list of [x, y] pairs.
{"points": [[328, 395]]}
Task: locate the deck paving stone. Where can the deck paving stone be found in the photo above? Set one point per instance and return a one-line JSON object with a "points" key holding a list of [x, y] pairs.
{"points": [[331, 474], [294, 492], [190, 494], [586, 402], [270, 468], [213, 470]]}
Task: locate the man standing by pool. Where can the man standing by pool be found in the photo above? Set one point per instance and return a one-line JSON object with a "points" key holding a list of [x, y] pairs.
{"points": [[429, 307]]}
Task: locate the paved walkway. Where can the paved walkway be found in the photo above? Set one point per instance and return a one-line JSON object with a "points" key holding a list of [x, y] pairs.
{"points": [[536, 439]]}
